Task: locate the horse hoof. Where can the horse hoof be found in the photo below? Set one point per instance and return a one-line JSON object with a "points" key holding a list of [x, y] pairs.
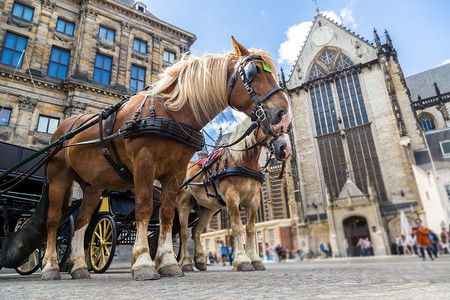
{"points": [[50, 275], [170, 271], [200, 266], [187, 268], [145, 274], [245, 267], [258, 266], [80, 274]]}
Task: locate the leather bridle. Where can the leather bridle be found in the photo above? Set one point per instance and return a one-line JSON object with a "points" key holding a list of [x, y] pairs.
{"points": [[247, 73]]}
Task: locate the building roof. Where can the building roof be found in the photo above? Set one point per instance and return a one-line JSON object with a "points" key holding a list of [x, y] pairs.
{"points": [[350, 189], [131, 3], [422, 83]]}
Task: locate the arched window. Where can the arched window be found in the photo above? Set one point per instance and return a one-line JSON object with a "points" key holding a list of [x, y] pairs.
{"points": [[426, 122], [342, 124]]}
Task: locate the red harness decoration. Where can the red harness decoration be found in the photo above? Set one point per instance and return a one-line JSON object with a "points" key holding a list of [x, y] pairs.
{"points": [[202, 162]]}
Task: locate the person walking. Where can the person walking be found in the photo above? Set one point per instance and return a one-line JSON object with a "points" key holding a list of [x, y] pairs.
{"points": [[445, 237], [434, 242], [230, 255], [423, 242], [346, 248], [362, 250], [223, 250]]}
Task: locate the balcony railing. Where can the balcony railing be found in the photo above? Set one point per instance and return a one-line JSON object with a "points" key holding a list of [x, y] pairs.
{"points": [[431, 101]]}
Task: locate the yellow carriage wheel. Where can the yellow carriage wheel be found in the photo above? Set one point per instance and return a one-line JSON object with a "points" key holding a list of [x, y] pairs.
{"points": [[103, 244], [33, 263]]}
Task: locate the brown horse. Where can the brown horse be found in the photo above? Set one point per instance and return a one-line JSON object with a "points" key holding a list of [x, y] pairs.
{"points": [[192, 91], [236, 191]]}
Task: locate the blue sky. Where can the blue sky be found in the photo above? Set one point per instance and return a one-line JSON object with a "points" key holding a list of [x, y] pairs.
{"points": [[419, 29]]}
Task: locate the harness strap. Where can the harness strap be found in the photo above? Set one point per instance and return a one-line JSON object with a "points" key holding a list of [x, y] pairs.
{"points": [[120, 168]]}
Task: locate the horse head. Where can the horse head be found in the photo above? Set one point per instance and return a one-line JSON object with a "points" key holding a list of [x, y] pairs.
{"points": [[253, 89]]}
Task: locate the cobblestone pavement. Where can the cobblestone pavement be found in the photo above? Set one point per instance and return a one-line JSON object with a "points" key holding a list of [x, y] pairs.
{"points": [[368, 278]]}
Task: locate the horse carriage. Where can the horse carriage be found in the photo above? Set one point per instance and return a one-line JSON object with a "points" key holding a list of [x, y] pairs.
{"points": [[111, 224], [150, 136]]}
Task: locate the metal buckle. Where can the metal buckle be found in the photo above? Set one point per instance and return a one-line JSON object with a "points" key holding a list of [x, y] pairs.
{"points": [[260, 113]]}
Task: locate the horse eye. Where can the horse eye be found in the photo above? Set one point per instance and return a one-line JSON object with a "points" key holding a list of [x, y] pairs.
{"points": [[258, 69]]}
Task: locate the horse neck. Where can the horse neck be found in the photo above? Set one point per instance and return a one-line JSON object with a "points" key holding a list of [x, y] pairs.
{"points": [[248, 158]]}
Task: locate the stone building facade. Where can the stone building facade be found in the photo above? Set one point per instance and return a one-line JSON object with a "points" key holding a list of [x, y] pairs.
{"points": [[354, 130], [80, 57]]}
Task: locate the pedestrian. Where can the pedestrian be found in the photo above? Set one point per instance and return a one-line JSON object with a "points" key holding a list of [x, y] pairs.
{"points": [[405, 245], [223, 249], [445, 240], [211, 257], [278, 251], [230, 255], [400, 247], [434, 242], [422, 240], [362, 250], [346, 248], [368, 247]]}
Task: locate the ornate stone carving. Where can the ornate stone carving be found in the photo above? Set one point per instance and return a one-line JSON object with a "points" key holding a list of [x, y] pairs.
{"points": [[74, 108], [27, 103], [141, 57], [61, 38], [88, 12], [48, 5], [106, 45], [126, 26], [21, 24], [157, 40]]}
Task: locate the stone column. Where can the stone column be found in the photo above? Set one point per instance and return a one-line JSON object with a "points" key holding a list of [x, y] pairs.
{"points": [[87, 30], [124, 46], [22, 128], [36, 58]]}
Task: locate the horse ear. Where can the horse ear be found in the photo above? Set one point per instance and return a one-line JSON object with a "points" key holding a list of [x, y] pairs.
{"points": [[240, 50]]}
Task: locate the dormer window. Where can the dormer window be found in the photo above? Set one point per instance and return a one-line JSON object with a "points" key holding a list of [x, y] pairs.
{"points": [[140, 6]]}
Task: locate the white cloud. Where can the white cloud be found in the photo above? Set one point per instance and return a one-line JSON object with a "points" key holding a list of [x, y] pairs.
{"points": [[290, 48], [447, 61], [297, 34]]}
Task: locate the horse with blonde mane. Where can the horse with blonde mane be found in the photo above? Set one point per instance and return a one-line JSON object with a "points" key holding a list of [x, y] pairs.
{"points": [[236, 179], [155, 134]]}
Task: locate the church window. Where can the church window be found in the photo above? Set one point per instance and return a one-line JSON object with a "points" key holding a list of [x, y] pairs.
{"points": [[344, 137], [426, 122], [333, 163], [324, 109], [342, 62], [364, 160], [445, 147], [327, 58], [316, 72], [351, 101]]}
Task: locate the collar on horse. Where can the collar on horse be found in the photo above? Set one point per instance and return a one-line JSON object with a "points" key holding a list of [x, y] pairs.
{"points": [[247, 73]]}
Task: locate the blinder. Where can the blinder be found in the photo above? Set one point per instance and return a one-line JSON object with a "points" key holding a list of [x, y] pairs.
{"points": [[250, 71]]}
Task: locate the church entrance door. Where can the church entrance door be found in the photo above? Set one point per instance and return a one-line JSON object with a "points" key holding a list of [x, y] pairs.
{"points": [[355, 228]]}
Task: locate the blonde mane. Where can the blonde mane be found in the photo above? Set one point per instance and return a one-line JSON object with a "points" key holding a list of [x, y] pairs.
{"points": [[200, 82], [248, 141]]}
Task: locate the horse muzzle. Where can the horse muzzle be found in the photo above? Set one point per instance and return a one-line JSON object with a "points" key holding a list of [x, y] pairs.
{"points": [[280, 122], [282, 147]]}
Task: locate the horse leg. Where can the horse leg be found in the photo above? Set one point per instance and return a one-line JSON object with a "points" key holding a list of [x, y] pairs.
{"points": [[204, 216], [78, 267], [241, 261], [165, 260], [184, 207], [60, 183], [252, 210], [142, 266]]}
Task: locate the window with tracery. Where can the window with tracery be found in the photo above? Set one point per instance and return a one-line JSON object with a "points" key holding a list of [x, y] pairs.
{"points": [[343, 132], [426, 122]]}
